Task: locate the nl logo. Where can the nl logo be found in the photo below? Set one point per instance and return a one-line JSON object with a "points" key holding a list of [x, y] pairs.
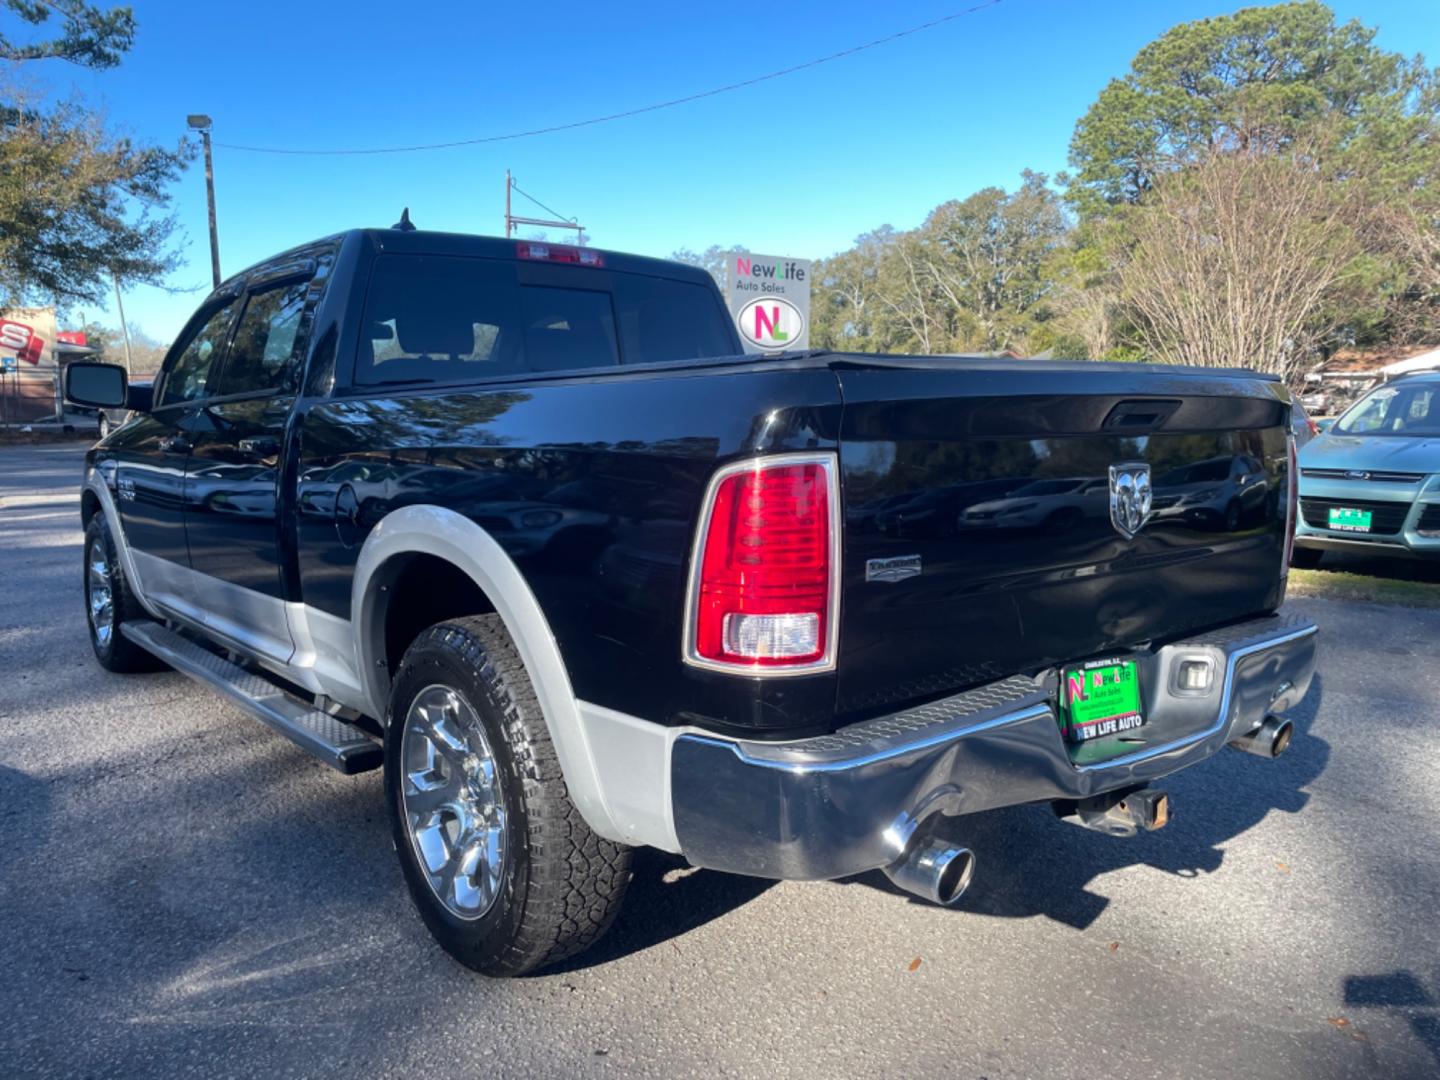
{"points": [[771, 323]]}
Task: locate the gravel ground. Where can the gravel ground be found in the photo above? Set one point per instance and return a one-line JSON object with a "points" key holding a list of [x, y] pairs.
{"points": [[184, 893]]}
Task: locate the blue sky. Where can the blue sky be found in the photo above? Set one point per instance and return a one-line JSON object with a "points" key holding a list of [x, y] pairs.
{"points": [[797, 166]]}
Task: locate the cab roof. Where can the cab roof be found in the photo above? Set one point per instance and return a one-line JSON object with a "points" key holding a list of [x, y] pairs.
{"points": [[428, 242]]}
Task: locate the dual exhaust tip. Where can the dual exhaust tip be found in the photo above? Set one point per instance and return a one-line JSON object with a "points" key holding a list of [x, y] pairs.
{"points": [[934, 869], [939, 870]]}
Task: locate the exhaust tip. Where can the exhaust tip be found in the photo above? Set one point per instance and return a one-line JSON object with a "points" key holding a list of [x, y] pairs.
{"points": [[1271, 739], [935, 870], [955, 876]]}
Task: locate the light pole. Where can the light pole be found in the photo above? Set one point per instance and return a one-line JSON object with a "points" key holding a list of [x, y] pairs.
{"points": [[120, 306], [201, 123]]}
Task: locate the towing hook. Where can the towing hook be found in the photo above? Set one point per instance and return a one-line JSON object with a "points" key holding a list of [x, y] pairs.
{"points": [[934, 869], [1269, 740]]}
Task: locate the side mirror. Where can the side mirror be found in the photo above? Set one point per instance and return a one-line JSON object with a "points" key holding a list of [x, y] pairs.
{"points": [[100, 386]]}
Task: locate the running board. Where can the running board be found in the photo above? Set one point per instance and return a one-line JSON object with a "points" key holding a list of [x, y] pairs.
{"points": [[340, 745]]}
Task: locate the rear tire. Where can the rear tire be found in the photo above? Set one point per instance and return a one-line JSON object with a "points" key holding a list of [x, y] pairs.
{"points": [[1305, 558], [503, 869], [109, 604]]}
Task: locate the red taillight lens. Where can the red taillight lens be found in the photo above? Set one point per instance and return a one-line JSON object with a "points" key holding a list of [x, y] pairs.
{"points": [[764, 588]]}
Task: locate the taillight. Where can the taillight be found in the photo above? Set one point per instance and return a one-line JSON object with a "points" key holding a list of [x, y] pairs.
{"points": [[765, 569], [1292, 499], [560, 253]]}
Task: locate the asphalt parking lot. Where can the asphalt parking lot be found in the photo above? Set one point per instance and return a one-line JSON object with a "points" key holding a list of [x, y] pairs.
{"points": [[184, 893]]}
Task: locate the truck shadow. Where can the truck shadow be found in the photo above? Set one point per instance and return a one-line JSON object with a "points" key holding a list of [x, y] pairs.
{"points": [[1392, 569], [667, 899], [1402, 994], [25, 803], [1030, 863]]}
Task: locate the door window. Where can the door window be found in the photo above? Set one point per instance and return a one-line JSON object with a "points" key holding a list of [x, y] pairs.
{"points": [[186, 379], [262, 354]]}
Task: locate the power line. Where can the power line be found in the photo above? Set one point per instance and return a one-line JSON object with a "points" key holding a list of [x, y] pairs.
{"points": [[629, 112]]}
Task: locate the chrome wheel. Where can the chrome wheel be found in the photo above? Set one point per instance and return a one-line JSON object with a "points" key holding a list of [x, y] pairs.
{"points": [[99, 593], [453, 801]]}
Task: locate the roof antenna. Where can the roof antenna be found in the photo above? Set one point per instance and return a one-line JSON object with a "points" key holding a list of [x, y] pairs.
{"points": [[404, 224]]}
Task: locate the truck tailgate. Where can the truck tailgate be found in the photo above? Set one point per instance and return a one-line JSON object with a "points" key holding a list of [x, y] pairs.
{"points": [[994, 483]]}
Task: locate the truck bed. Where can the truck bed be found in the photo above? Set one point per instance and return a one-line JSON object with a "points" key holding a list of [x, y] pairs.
{"points": [[620, 458]]}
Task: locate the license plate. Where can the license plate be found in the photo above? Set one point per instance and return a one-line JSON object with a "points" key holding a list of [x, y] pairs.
{"points": [[1348, 519], [1101, 698]]}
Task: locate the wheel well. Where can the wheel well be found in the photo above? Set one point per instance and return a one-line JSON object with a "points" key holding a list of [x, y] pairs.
{"points": [[89, 507], [423, 590]]}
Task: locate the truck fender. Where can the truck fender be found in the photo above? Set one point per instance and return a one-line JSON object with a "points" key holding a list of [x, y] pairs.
{"points": [[436, 531], [95, 484]]}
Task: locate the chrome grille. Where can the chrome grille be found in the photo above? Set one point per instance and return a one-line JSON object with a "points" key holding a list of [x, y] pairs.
{"points": [[1383, 476]]}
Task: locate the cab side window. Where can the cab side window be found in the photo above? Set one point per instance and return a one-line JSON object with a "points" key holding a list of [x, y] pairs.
{"points": [[263, 357], [187, 378]]}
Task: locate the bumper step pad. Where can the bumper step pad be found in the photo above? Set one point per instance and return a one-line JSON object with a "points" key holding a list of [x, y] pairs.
{"points": [[342, 746], [903, 731]]}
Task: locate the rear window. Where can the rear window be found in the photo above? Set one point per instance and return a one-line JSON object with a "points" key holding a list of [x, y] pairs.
{"points": [[664, 320], [567, 328], [454, 319]]}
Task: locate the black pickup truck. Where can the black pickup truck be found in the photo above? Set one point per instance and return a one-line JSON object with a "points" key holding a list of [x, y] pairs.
{"points": [[521, 524]]}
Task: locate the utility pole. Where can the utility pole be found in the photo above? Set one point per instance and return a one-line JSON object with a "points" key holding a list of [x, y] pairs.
{"points": [[201, 123], [511, 220], [124, 326]]}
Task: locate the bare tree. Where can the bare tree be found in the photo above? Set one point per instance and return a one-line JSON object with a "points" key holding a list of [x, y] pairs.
{"points": [[1230, 262], [1413, 233], [908, 296], [1089, 313]]}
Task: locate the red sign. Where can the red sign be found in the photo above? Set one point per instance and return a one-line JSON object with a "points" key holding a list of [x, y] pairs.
{"points": [[21, 338], [72, 337]]}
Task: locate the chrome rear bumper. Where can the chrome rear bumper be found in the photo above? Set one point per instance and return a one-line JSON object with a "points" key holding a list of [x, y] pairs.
{"points": [[841, 804]]}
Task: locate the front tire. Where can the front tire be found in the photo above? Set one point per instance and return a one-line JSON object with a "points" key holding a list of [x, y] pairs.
{"points": [[1232, 515], [504, 871], [109, 604]]}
